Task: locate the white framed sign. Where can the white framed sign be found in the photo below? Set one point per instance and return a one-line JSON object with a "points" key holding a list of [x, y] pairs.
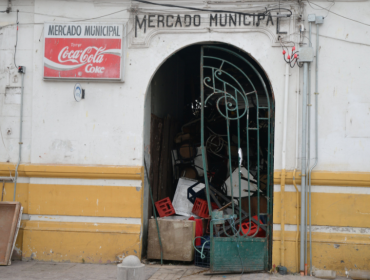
{"points": [[83, 51]]}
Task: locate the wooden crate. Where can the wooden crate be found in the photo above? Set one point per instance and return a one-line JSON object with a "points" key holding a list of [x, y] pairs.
{"points": [[10, 218]]}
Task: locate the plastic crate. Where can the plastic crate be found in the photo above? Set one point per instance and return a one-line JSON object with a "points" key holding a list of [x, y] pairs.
{"points": [[164, 207], [200, 208], [205, 262], [180, 202], [192, 195], [253, 229]]}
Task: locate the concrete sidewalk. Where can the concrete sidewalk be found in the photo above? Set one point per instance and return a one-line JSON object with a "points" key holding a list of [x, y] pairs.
{"points": [[71, 271]]}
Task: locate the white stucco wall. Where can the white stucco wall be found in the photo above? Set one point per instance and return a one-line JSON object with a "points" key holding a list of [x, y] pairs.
{"points": [[107, 127]]}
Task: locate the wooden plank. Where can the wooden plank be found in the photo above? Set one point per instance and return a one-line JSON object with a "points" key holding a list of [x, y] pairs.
{"points": [[156, 127], [9, 216], [16, 234], [170, 184], [163, 166]]}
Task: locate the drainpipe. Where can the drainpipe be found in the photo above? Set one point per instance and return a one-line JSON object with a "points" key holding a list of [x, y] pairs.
{"points": [[22, 71], [318, 20], [298, 91], [306, 57], [309, 105], [283, 161], [303, 163], [294, 176], [283, 164]]}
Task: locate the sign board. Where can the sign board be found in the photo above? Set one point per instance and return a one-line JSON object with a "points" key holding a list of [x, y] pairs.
{"points": [[83, 51]]}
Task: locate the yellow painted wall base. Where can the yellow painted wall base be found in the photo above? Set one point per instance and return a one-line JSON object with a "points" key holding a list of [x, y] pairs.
{"points": [[76, 241], [79, 242], [106, 243], [339, 252], [330, 251]]}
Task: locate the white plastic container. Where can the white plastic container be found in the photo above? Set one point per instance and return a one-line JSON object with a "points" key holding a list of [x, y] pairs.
{"points": [[325, 274], [180, 202], [359, 274]]}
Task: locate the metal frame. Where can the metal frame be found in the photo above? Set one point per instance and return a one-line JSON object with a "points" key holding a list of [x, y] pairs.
{"points": [[238, 251]]}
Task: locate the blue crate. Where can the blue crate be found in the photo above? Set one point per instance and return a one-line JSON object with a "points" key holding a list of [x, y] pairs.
{"points": [[205, 262], [263, 219], [205, 239]]}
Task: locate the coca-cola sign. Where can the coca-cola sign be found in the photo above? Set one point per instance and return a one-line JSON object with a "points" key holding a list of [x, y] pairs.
{"points": [[83, 51]]}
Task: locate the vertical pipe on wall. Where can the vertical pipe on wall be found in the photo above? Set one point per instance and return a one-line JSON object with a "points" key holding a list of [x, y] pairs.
{"points": [[308, 141], [283, 165], [303, 167], [20, 138], [294, 176], [295, 172], [316, 134]]}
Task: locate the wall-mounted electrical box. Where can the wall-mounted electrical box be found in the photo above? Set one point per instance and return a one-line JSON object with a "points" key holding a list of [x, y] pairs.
{"points": [[306, 54], [319, 20]]}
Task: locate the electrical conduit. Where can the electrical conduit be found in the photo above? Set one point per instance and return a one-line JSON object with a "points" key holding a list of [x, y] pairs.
{"points": [[303, 167], [294, 182], [308, 144], [283, 165], [316, 134], [20, 138], [295, 172]]}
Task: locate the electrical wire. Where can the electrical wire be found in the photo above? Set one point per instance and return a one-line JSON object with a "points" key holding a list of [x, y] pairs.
{"points": [[16, 41], [75, 20], [351, 42], [331, 6], [360, 22], [203, 20], [50, 15], [102, 16], [214, 11], [167, 5]]}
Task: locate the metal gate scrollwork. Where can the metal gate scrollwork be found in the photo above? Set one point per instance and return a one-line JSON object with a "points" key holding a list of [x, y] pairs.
{"points": [[230, 83]]}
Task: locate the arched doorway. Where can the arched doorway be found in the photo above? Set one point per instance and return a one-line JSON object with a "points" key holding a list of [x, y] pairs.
{"points": [[211, 113]]}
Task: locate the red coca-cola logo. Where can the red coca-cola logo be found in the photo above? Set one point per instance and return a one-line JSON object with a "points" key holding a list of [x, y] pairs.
{"points": [[82, 58]]}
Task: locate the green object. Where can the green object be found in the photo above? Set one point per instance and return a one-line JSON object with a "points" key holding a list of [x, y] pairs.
{"points": [[155, 214], [218, 217], [233, 84], [204, 244], [225, 254]]}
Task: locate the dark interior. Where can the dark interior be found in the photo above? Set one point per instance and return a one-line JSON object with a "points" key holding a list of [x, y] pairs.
{"points": [[176, 128]]}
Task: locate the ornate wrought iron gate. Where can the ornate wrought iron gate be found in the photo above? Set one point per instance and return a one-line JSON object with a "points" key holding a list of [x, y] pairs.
{"points": [[244, 103]]}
